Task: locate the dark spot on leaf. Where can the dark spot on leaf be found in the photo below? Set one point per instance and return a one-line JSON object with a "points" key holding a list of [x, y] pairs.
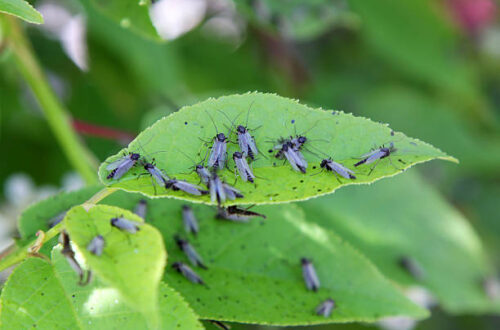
{"points": [[34, 325], [243, 247], [314, 167], [319, 190], [270, 151], [42, 294], [165, 295], [198, 299], [301, 181], [294, 188], [73, 296], [293, 121], [185, 123]]}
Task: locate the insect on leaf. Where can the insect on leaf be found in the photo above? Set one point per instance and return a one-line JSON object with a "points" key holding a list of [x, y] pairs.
{"points": [[131, 263], [406, 219], [256, 260], [179, 141], [46, 296]]}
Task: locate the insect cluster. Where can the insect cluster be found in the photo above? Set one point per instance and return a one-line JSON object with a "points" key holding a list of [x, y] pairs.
{"points": [[289, 149]]}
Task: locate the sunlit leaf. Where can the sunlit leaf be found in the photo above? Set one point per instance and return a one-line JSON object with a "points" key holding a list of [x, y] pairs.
{"points": [[254, 272], [176, 142], [47, 296], [131, 263], [405, 217]]}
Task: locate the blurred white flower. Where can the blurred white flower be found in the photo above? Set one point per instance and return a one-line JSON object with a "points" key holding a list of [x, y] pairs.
{"points": [[224, 21], [419, 296], [70, 29], [173, 18]]}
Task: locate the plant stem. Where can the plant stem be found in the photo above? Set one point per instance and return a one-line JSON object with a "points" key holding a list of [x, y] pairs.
{"points": [[78, 155], [19, 254], [99, 196]]}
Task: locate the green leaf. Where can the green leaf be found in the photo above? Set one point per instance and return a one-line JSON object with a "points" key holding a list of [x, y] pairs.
{"points": [[132, 263], [21, 9], [130, 14], [407, 217], [254, 271], [173, 140], [47, 296]]}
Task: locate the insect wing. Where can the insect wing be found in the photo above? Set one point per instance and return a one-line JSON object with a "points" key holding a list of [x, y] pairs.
{"points": [[310, 276], [96, 245], [190, 222], [125, 224], [111, 166], [189, 188], [341, 170], [193, 256], [242, 169], [325, 308], [123, 168]]}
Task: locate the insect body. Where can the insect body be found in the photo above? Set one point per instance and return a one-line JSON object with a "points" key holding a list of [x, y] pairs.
{"points": [[220, 191], [129, 226], [412, 267], [187, 187], [294, 157], [69, 254], [376, 155], [121, 166], [190, 222], [337, 168], [96, 245], [236, 214], [246, 142], [326, 307], [187, 272], [203, 173], [220, 325], [160, 177], [141, 208], [192, 255], [309, 273], [218, 153], [242, 166], [57, 219]]}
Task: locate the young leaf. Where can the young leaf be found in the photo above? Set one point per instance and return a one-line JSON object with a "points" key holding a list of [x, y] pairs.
{"points": [[47, 296], [130, 14], [21, 9], [254, 271], [175, 143], [405, 217], [131, 263]]}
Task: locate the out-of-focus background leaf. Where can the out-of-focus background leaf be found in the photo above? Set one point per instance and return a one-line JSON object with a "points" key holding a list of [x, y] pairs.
{"points": [[428, 68]]}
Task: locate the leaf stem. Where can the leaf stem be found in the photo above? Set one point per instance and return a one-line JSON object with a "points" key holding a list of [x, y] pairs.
{"points": [[78, 155], [99, 196]]}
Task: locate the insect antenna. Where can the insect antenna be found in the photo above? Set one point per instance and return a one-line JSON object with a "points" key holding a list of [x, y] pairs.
{"points": [[213, 122]]}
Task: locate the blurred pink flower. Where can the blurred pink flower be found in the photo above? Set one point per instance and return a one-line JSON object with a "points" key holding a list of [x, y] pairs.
{"points": [[473, 15]]}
